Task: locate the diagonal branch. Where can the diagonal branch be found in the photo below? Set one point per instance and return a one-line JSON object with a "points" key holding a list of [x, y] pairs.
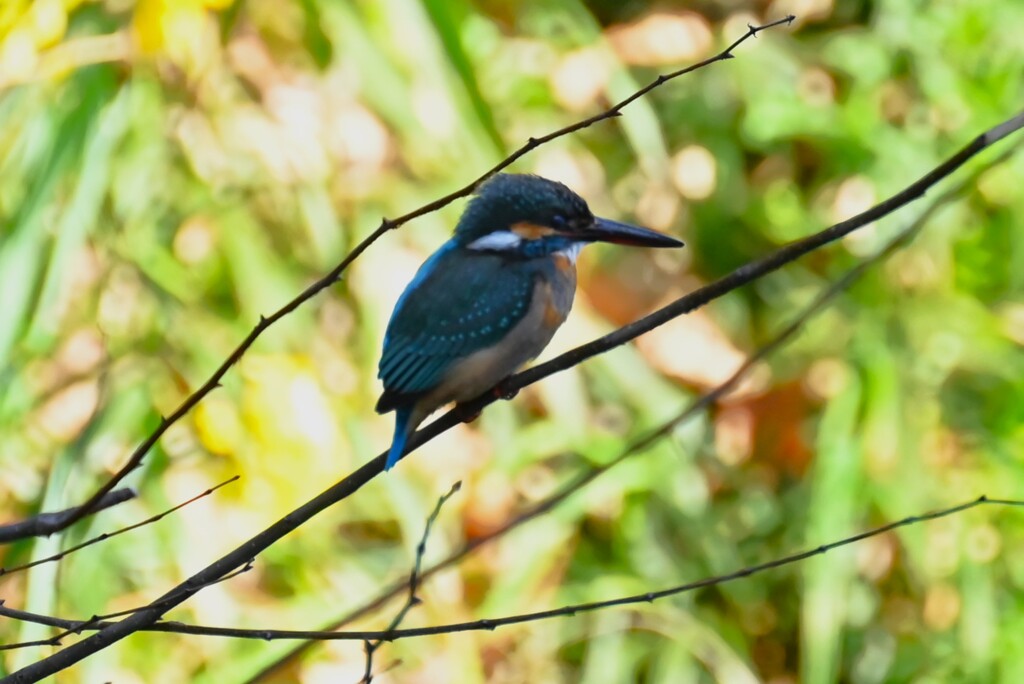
{"points": [[97, 622], [45, 524], [649, 597], [411, 599], [352, 483], [491, 624], [334, 275]]}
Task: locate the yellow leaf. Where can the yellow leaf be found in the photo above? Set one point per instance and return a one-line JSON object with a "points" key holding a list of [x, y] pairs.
{"points": [[218, 426], [49, 21], [147, 24]]}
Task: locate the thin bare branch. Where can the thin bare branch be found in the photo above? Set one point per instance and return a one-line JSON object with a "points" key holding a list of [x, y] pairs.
{"points": [[45, 524], [109, 535], [411, 600], [99, 622], [494, 623], [96, 622], [213, 382]]}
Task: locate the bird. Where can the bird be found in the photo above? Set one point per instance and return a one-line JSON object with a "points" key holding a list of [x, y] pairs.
{"points": [[491, 297]]}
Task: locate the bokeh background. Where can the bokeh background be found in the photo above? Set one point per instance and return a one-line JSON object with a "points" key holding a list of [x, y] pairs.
{"points": [[172, 169]]}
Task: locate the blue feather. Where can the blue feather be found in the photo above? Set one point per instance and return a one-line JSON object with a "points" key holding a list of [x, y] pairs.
{"points": [[459, 302], [402, 414], [422, 273]]}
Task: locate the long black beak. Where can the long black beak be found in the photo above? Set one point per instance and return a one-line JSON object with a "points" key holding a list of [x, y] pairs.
{"points": [[606, 230]]}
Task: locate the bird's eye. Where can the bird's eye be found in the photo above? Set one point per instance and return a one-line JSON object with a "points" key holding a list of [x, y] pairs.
{"points": [[559, 221]]}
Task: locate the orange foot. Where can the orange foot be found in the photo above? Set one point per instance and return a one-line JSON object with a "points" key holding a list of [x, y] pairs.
{"points": [[503, 391]]}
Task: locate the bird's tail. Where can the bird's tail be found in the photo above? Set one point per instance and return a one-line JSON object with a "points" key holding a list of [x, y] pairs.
{"points": [[402, 430]]}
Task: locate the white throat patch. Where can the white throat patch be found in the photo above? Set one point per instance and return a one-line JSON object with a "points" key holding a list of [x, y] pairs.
{"points": [[498, 240], [506, 240], [571, 252]]}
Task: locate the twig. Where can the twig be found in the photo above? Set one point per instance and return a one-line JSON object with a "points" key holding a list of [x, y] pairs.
{"points": [[99, 622], [109, 535], [353, 482], [649, 597], [99, 619], [411, 599], [135, 460], [96, 622], [493, 623], [45, 524]]}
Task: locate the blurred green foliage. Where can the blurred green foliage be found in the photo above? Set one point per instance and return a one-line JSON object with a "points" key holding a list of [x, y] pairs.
{"points": [[171, 169]]}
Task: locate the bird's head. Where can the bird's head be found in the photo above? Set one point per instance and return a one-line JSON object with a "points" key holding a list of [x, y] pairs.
{"points": [[531, 216]]}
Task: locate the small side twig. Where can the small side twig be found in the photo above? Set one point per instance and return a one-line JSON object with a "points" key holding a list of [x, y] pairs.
{"points": [[412, 600], [45, 524], [110, 535], [493, 623], [649, 597], [96, 622]]}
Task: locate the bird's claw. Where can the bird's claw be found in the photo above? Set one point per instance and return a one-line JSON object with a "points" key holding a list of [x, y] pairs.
{"points": [[468, 415], [503, 391]]}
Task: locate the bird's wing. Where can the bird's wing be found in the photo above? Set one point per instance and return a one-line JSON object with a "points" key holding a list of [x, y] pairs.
{"points": [[456, 305]]}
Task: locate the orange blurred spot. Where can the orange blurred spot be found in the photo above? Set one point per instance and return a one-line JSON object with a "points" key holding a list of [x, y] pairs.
{"points": [[827, 377], [579, 79], [694, 172], [734, 435], [658, 207], [805, 10], [779, 417], [662, 38], [941, 606], [876, 555], [65, 415], [694, 349], [82, 352], [489, 506]]}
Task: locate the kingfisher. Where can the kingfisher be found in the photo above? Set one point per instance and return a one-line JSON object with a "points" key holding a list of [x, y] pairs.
{"points": [[490, 299]]}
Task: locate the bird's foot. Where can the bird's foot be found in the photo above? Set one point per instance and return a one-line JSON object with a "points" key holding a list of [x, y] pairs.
{"points": [[503, 390], [467, 414]]}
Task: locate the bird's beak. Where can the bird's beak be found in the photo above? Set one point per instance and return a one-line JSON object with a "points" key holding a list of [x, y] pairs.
{"points": [[606, 230]]}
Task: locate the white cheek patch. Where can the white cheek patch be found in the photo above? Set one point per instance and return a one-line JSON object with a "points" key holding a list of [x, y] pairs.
{"points": [[499, 240], [571, 252]]}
